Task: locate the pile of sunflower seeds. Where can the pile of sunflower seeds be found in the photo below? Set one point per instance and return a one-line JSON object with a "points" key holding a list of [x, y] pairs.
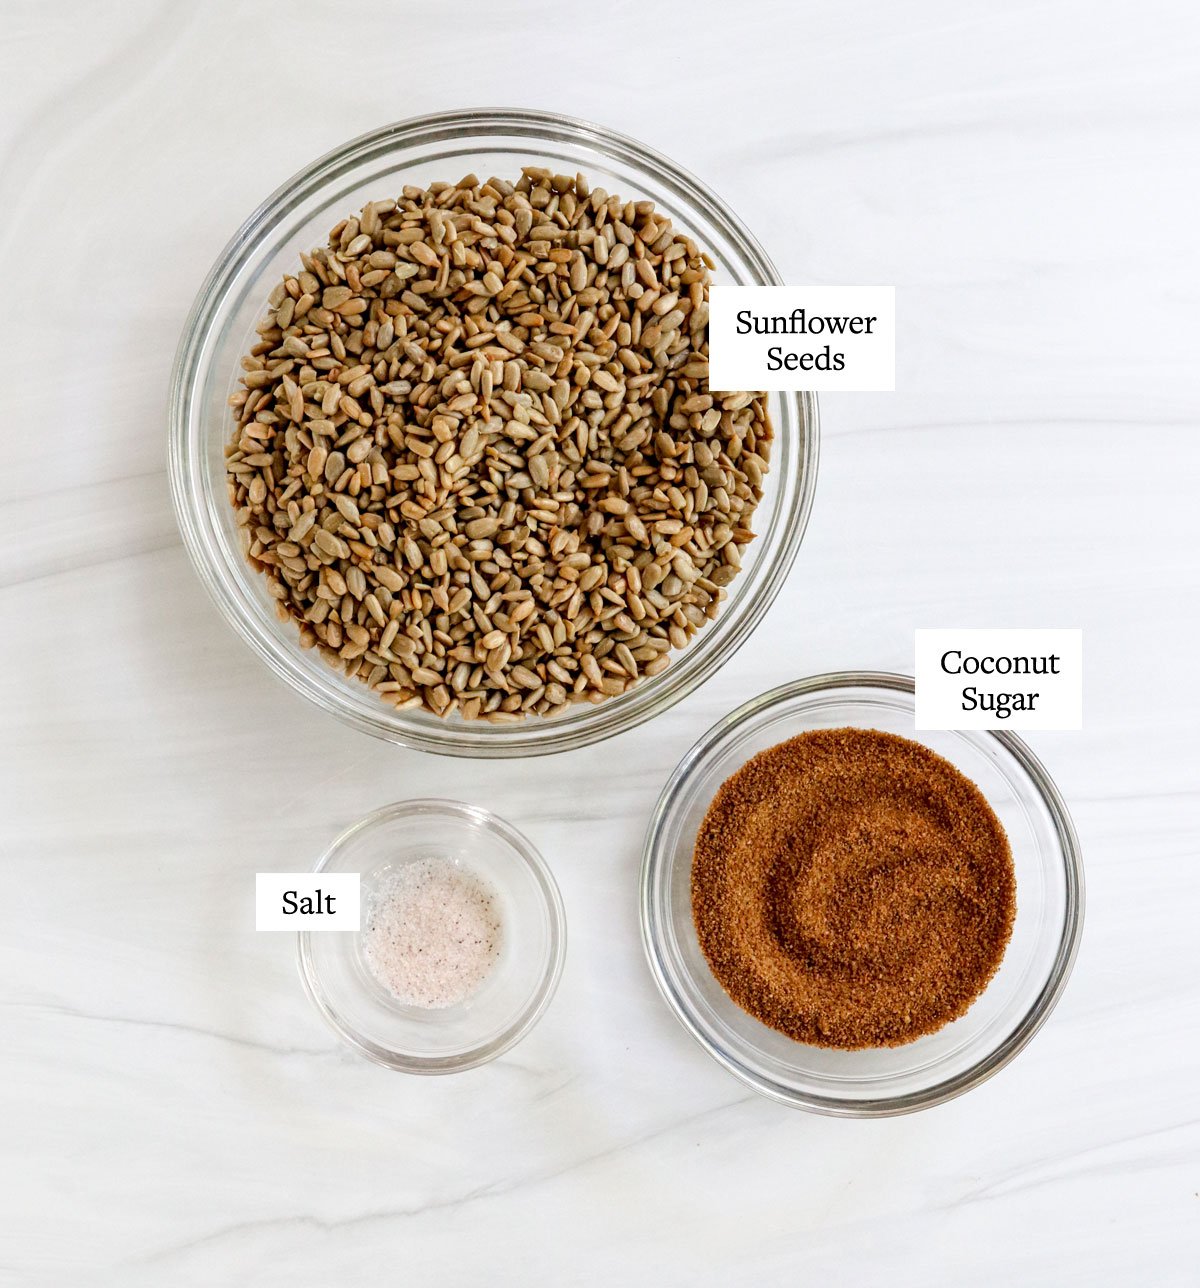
{"points": [[476, 456]]}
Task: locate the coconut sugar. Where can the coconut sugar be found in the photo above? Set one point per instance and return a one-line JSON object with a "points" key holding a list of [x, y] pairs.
{"points": [[852, 888]]}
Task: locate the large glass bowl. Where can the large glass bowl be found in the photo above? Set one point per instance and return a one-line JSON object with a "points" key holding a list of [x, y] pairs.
{"points": [[298, 217], [894, 1080]]}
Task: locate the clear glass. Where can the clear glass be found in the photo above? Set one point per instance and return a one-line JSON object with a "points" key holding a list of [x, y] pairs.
{"points": [[876, 1082], [520, 984], [297, 217]]}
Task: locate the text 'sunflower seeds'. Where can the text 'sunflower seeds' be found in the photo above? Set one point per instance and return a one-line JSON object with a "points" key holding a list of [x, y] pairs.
{"points": [[476, 454]]}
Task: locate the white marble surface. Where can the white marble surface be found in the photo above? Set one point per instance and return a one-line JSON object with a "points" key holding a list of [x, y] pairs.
{"points": [[173, 1112]]}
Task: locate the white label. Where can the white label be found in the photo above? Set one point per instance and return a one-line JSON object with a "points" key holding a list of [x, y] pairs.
{"points": [[836, 338], [999, 679], [306, 901]]}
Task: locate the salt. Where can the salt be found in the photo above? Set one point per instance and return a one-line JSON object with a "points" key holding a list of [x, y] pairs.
{"points": [[432, 933]]}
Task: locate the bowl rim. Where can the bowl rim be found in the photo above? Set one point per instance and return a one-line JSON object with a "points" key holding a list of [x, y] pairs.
{"points": [[204, 548], [530, 856], [653, 859]]}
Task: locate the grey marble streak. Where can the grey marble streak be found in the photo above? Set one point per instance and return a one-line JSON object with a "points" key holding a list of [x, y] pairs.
{"points": [[174, 1112]]}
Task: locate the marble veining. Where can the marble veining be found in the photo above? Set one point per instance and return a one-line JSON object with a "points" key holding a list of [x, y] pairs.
{"points": [[174, 1112]]}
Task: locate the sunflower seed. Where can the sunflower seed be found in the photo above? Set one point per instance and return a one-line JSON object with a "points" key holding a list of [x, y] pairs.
{"points": [[476, 456]]}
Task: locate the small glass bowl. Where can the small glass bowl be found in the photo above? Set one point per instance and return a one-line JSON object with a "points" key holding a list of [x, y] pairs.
{"points": [[296, 218], [513, 996], [876, 1082]]}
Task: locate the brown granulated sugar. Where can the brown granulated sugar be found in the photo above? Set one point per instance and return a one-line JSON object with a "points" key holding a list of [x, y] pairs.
{"points": [[852, 888]]}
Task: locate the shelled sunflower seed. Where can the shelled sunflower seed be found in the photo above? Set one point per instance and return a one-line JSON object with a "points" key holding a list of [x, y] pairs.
{"points": [[476, 455]]}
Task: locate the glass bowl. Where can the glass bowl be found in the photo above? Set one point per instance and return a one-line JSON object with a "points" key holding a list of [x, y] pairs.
{"points": [[521, 983], [883, 1081], [296, 218]]}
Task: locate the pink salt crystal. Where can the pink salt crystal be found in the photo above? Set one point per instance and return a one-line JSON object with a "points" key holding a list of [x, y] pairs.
{"points": [[432, 933]]}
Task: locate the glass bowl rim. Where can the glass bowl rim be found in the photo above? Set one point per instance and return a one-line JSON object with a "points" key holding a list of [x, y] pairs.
{"points": [[654, 858], [530, 857], [713, 647]]}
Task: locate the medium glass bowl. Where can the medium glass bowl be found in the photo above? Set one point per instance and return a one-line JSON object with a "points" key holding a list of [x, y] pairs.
{"points": [[522, 981], [879, 1081], [298, 217]]}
